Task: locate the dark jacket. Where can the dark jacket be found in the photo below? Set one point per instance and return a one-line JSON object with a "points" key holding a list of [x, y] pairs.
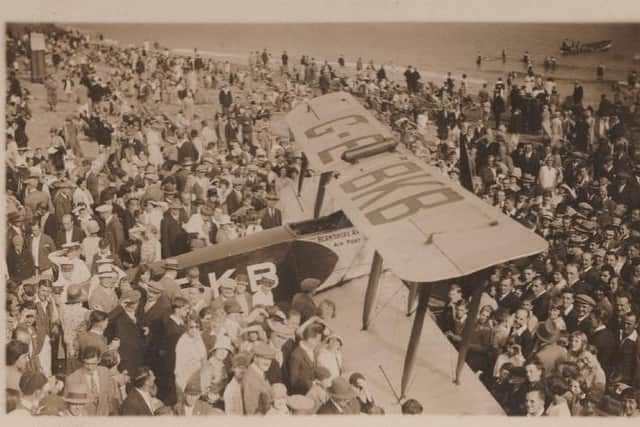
{"points": [[131, 339], [134, 405], [300, 370], [270, 221]]}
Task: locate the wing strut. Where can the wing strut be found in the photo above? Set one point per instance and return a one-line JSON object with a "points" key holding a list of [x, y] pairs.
{"points": [[372, 289], [478, 283], [424, 292], [325, 177]]}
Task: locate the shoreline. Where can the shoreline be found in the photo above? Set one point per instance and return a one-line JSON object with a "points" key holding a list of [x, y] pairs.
{"points": [[593, 88]]}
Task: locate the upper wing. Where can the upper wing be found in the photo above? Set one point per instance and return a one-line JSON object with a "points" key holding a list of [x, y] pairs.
{"points": [[426, 227]]}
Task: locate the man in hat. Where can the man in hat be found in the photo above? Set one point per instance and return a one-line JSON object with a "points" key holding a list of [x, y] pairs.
{"points": [[173, 237], [34, 386], [113, 230], [342, 399], [166, 274], [234, 198], [303, 300], [155, 307], [124, 325], [174, 327], [98, 381], [257, 392], [103, 297], [70, 232], [271, 216], [546, 349]]}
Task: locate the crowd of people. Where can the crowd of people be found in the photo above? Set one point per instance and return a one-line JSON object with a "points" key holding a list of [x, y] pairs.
{"points": [[100, 321]]}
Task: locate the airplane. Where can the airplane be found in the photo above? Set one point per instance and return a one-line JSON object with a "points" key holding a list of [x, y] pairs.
{"points": [[418, 223]]}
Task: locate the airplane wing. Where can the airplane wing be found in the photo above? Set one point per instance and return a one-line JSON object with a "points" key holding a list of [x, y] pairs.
{"points": [[425, 226]]}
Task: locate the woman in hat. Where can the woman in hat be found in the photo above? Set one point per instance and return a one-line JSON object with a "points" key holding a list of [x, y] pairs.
{"points": [[250, 336]]}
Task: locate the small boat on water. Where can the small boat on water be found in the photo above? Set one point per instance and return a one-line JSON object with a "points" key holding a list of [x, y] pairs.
{"points": [[577, 48]]}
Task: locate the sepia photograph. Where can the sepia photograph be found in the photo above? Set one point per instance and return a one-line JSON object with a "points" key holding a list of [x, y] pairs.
{"points": [[321, 217]]}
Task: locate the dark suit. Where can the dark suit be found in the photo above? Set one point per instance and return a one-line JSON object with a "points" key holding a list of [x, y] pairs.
{"points": [[510, 302], [45, 247], [172, 236], [131, 339], [114, 233], [233, 202], [135, 404], [128, 221], [605, 343], [20, 265], [63, 205], [271, 219], [77, 235], [525, 341], [541, 306], [50, 226], [624, 361], [167, 352], [154, 319], [300, 370]]}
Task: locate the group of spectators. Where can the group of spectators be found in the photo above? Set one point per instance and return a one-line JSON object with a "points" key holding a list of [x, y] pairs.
{"points": [[100, 323], [100, 319]]}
